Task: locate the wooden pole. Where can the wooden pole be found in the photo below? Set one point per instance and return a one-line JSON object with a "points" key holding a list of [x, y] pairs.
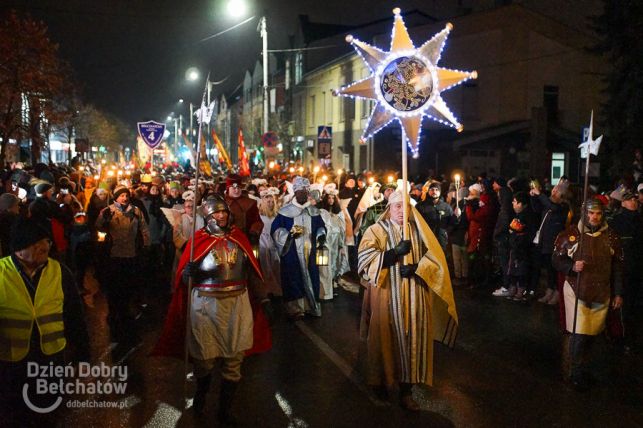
{"points": [[405, 191], [189, 296], [580, 240]]}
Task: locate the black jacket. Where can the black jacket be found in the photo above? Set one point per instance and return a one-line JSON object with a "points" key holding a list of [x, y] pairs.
{"points": [[628, 225], [439, 216], [553, 217]]}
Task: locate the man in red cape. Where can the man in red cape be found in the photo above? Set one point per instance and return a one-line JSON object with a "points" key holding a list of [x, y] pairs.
{"points": [[228, 301]]}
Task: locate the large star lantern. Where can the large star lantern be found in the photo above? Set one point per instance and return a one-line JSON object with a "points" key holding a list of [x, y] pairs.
{"points": [[406, 83]]}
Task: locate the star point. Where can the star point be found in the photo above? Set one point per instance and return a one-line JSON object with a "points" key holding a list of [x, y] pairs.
{"points": [[406, 82]]}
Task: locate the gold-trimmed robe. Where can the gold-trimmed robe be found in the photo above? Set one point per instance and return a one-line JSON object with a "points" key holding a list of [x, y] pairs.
{"points": [[402, 317]]}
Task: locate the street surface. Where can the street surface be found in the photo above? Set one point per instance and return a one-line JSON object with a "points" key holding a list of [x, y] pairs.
{"points": [[503, 372]]}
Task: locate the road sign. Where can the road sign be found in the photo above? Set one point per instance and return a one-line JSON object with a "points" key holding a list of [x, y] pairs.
{"points": [[324, 141], [151, 132]]}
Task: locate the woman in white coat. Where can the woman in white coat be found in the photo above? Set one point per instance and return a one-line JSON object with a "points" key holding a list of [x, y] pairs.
{"points": [[335, 222], [268, 255]]}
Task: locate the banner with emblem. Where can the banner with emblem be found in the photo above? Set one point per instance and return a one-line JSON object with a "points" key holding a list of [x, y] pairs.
{"points": [[151, 132]]}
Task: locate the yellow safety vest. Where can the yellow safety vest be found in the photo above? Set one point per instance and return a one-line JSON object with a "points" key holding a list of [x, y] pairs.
{"points": [[18, 311]]}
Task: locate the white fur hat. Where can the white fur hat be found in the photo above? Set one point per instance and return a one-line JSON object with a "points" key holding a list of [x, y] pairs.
{"points": [[188, 195], [476, 187], [331, 189], [270, 191]]}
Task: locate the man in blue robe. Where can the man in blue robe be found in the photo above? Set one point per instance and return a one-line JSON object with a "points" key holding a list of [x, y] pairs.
{"points": [[297, 231]]}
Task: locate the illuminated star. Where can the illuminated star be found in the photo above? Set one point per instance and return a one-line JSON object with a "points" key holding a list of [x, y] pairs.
{"points": [[406, 83]]}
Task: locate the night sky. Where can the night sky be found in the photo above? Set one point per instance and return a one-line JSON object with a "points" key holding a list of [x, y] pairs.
{"points": [[130, 56]]}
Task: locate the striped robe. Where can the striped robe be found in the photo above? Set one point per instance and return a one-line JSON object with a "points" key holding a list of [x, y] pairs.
{"points": [[401, 317]]}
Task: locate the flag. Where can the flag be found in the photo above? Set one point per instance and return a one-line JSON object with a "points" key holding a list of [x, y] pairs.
{"points": [[223, 155], [191, 152], [204, 114], [204, 162], [244, 166], [590, 144]]}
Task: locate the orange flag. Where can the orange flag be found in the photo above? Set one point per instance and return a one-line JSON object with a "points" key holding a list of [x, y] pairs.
{"points": [[244, 166], [223, 155], [204, 162]]}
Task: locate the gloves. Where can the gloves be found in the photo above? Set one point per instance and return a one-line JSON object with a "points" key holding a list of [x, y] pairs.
{"points": [[321, 240], [191, 270], [403, 248], [481, 204], [269, 311], [407, 271]]}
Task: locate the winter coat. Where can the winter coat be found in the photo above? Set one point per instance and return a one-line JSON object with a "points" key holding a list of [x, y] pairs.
{"points": [[482, 219], [553, 217]]}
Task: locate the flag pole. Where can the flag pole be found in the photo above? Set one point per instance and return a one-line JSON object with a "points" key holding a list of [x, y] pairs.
{"points": [[202, 112], [582, 234], [588, 152]]}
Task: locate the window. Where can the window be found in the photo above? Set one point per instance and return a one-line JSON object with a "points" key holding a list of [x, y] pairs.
{"points": [[311, 118], [299, 67], [550, 102], [366, 108], [349, 108], [323, 108]]}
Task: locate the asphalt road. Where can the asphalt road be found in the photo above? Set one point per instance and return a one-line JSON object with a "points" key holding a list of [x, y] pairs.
{"points": [[503, 372]]}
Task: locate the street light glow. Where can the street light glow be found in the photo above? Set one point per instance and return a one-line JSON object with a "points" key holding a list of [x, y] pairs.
{"points": [[237, 8], [192, 74]]}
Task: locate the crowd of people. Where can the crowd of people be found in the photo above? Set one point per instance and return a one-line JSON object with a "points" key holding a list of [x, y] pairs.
{"points": [[307, 235]]}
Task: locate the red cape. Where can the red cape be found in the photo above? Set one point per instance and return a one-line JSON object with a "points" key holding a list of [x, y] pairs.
{"points": [[172, 340]]}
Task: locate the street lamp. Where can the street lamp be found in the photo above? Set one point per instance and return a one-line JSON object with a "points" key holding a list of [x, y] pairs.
{"points": [[238, 8]]}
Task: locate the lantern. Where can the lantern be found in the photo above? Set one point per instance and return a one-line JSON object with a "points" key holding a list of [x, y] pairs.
{"points": [[101, 236], [322, 256]]}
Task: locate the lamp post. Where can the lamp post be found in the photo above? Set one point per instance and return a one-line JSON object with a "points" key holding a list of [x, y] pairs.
{"points": [[264, 37]]}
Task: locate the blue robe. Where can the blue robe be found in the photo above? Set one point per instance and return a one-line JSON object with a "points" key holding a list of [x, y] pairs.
{"points": [[296, 282]]}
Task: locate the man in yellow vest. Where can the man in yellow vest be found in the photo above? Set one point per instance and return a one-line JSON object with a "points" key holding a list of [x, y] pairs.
{"points": [[41, 315]]}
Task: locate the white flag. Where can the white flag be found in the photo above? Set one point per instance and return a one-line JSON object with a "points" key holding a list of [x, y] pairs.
{"points": [[204, 114], [592, 144]]}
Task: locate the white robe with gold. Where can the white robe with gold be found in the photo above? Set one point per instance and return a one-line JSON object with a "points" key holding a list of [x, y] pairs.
{"points": [[401, 317]]}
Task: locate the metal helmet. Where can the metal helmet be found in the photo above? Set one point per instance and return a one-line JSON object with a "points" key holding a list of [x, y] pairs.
{"points": [[594, 204], [213, 204]]}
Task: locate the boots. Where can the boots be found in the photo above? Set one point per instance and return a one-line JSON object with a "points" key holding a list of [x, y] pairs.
{"points": [[547, 296], [555, 297], [226, 395], [406, 398], [202, 388]]}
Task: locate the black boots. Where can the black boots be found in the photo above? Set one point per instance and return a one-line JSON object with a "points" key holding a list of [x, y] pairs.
{"points": [[202, 388], [226, 395]]}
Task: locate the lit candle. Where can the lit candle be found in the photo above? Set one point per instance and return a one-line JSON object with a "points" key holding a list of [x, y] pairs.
{"points": [[457, 190]]}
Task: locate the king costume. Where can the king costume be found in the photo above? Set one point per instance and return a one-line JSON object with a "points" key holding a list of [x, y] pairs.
{"points": [[401, 317], [297, 251]]}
